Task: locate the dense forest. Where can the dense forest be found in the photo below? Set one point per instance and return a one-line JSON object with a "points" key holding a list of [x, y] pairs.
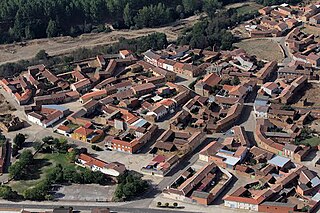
{"points": [[28, 19]]}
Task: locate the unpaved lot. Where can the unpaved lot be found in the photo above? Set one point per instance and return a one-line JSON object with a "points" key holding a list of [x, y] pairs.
{"points": [[5, 107], [66, 44], [265, 49], [80, 192]]}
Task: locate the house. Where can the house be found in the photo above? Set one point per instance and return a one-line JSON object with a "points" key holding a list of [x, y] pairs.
{"points": [[151, 57], [157, 112], [246, 199], [125, 53], [204, 86], [170, 76], [266, 72], [314, 59], [202, 186], [87, 135], [315, 20], [143, 89], [47, 115], [81, 86], [134, 141], [113, 169], [95, 95], [270, 88]]}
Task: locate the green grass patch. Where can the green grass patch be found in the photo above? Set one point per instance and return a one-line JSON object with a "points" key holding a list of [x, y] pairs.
{"points": [[43, 164], [248, 9], [73, 126], [314, 141]]}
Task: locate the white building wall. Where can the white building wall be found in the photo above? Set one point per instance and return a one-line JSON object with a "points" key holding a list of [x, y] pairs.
{"points": [[34, 120]]}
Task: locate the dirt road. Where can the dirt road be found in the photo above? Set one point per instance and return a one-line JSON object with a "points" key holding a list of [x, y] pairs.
{"points": [[66, 44]]}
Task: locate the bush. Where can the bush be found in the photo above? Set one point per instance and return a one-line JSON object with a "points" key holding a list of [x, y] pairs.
{"points": [[41, 55]]}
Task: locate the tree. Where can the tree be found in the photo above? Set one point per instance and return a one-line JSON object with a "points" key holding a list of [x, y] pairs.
{"points": [[42, 55], [159, 204], [127, 15], [175, 205], [52, 29], [15, 150], [166, 204], [7, 193], [72, 156], [37, 145], [20, 169], [210, 7], [191, 5], [19, 139], [235, 80]]}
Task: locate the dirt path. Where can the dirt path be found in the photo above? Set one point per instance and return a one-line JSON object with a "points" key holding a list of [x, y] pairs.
{"points": [[66, 44]]}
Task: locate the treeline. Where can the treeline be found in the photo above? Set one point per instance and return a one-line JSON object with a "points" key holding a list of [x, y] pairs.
{"points": [[20, 20], [155, 41], [277, 2], [214, 30]]}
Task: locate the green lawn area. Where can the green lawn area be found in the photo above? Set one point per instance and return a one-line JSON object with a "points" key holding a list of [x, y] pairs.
{"points": [[314, 141], [72, 126], [44, 163], [248, 8]]}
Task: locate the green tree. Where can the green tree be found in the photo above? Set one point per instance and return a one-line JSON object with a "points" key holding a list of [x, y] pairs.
{"points": [[19, 139], [52, 29], [211, 6], [191, 6], [20, 169], [235, 80], [127, 15], [6, 192]]}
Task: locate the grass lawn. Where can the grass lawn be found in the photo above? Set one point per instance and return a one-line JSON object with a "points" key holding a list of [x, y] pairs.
{"points": [[72, 126], [248, 8], [314, 141], [264, 49], [44, 163]]}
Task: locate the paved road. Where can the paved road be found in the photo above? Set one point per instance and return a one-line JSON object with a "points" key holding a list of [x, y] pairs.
{"points": [[85, 207]]}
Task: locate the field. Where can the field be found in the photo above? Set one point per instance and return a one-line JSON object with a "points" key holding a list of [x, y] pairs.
{"points": [[264, 49], [248, 8], [4, 105], [314, 141]]}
